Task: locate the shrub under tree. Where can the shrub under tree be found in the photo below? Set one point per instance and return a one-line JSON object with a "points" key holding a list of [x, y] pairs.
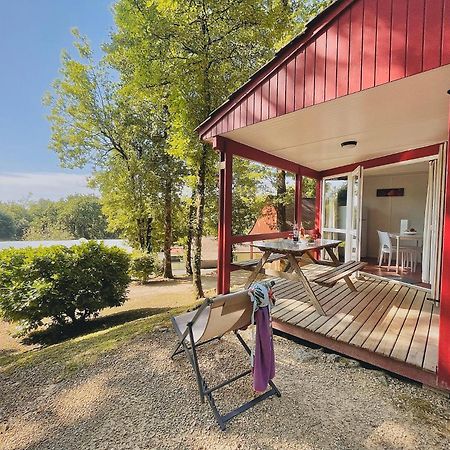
{"points": [[66, 285]]}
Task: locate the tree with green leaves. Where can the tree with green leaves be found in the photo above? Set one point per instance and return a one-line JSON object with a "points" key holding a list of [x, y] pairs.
{"points": [[7, 227], [97, 119], [200, 51]]}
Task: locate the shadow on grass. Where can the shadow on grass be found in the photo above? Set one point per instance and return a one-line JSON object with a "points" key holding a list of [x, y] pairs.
{"points": [[57, 333], [5, 352]]}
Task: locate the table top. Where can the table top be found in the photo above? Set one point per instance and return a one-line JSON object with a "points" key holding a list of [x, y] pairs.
{"points": [[412, 237], [288, 246]]}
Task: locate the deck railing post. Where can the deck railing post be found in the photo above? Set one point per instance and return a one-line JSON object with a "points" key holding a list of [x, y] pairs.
{"points": [[298, 197], [444, 314], [225, 219], [318, 204]]}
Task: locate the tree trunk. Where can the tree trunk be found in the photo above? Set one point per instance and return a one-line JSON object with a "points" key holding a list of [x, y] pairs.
{"points": [[280, 204], [198, 233], [144, 234], [168, 229], [190, 232]]}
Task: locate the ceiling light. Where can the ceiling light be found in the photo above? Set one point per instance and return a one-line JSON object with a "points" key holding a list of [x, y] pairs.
{"points": [[349, 144]]}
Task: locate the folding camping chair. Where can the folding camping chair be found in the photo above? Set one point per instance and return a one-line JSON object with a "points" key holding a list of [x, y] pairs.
{"points": [[214, 318]]}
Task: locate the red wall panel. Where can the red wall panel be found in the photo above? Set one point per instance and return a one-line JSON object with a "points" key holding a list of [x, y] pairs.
{"points": [[445, 55], [319, 85], [356, 32], [250, 109], [365, 43], [432, 34], [331, 68], [299, 100], [258, 105], [398, 39], [369, 44], [383, 42], [343, 54], [281, 98], [290, 86], [265, 101], [310, 60], [273, 86], [414, 44]]}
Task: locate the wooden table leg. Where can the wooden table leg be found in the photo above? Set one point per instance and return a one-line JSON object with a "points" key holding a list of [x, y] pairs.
{"points": [[336, 261], [306, 285], [258, 268]]}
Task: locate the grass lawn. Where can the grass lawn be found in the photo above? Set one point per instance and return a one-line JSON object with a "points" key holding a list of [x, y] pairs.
{"points": [[147, 306], [73, 354]]}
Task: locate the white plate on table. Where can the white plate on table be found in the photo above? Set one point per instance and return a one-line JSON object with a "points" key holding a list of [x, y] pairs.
{"points": [[409, 233]]}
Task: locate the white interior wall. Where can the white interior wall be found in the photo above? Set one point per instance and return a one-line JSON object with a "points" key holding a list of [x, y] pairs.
{"points": [[385, 213]]}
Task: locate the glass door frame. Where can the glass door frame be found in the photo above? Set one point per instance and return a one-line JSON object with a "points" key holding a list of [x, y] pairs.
{"points": [[350, 232]]}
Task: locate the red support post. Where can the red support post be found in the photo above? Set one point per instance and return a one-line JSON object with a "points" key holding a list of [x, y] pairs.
{"points": [[298, 197], [444, 315], [224, 227], [318, 204]]}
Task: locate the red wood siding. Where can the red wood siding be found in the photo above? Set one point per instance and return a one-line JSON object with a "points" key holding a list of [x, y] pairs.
{"points": [[358, 45]]}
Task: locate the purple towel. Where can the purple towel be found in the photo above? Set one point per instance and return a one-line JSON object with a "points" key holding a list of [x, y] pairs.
{"points": [[264, 362]]}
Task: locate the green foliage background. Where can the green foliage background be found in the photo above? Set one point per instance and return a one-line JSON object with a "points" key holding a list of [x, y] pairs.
{"points": [[77, 216]]}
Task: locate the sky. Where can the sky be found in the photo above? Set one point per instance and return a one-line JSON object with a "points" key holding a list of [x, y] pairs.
{"points": [[32, 35]]}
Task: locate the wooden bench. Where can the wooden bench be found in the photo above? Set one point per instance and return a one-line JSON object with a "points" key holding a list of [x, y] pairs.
{"points": [[251, 263], [332, 276]]}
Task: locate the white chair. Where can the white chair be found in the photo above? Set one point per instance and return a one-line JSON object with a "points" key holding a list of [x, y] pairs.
{"points": [[408, 255]]}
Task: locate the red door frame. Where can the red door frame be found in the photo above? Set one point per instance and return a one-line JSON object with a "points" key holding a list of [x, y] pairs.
{"points": [[443, 374]]}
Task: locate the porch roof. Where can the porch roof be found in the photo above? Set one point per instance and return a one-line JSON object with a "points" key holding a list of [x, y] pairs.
{"points": [[406, 114], [367, 70]]}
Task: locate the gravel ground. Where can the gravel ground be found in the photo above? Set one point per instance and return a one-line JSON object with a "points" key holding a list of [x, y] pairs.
{"points": [[135, 397]]}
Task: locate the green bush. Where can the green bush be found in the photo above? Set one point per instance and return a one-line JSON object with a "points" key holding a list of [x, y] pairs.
{"points": [[143, 265], [64, 284]]}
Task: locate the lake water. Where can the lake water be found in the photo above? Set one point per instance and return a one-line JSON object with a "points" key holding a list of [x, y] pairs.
{"points": [[68, 243]]}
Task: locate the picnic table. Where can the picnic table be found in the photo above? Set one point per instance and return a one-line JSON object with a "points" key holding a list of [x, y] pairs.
{"points": [[291, 250]]}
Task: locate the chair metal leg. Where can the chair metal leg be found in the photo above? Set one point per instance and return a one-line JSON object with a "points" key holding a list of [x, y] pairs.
{"points": [[205, 392], [200, 381]]}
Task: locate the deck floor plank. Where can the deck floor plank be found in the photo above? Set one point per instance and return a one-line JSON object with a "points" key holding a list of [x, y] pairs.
{"points": [[335, 296], [390, 336], [324, 296], [380, 293], [431, 352], [405, 337], [353, 299], [380, 324], [363, 324], [383, 317], [416, 352]]}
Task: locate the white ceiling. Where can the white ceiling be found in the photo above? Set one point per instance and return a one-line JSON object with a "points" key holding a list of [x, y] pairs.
{"points": [[398, 169], [397, 116]]}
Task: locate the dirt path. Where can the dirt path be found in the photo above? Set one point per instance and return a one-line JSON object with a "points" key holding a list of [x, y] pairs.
{"points": [[135, 397]]}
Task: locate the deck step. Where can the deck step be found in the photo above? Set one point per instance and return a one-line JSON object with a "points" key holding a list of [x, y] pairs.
{"points": [[332, 276]]}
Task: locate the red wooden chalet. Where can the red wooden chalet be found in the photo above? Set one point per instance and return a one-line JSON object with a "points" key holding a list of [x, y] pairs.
{"points": [[362, 94]]}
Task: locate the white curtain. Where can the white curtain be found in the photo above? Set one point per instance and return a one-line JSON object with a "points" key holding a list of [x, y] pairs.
{"points": [[434, 214]]}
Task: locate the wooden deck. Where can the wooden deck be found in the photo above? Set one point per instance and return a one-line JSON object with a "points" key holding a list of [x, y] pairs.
{"points": [[384, 323]]}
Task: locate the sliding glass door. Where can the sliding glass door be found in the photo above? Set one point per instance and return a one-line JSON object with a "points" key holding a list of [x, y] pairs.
{"points": [[341, 212]]}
